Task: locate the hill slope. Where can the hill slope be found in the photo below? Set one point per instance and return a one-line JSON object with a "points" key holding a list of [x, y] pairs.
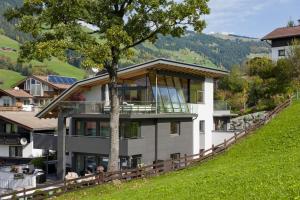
{"points": [[54, 65], [263, 166], [9, 78]]}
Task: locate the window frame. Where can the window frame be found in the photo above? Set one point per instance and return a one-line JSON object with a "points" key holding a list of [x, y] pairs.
{"points": [[178, 127], [281, 53], [16, 150], [202, 125]]}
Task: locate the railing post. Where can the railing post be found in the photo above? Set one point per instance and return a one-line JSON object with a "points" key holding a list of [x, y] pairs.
{"points": [[185, 160], [235, 136], [213, 149], [225, 143]]}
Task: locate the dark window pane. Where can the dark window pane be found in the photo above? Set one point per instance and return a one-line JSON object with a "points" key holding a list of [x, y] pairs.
{"points": [[175, 128], [79, 127], [130, 130], [90, 128], [196, 91], [104, 129]]}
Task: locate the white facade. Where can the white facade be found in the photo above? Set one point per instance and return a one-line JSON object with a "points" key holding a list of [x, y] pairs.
{"points": [[275, 54], [205, 113]]}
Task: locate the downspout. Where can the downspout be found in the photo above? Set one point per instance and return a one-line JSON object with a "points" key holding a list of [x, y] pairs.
{"points": [[156, 92]]}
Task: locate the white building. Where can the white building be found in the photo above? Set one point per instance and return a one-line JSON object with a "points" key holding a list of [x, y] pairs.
{"points": [[281, 39]]}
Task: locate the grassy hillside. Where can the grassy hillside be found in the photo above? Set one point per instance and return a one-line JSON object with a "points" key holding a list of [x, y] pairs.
{"points": [[54, 65], [9, 78], [266, 165]]}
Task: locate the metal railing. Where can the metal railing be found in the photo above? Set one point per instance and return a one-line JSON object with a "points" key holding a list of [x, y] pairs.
{"points": [[142, 107]]}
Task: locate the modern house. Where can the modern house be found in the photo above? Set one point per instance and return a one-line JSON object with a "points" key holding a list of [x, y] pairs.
{"points": [[166, 111], [281, 39], [45, 88], [14, 99], [16, 136]]}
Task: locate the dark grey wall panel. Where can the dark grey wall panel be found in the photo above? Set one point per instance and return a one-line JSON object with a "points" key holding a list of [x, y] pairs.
{"points": [[44, 141]]}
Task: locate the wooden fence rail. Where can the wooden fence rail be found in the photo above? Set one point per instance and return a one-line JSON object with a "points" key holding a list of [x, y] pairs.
{"points": [[61, 187]]}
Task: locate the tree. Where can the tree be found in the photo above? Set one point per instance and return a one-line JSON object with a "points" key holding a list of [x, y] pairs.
{"points": [[119, 25], [290, 23]]}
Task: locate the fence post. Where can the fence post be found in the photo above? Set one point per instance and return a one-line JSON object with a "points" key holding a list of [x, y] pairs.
{"points": [[225, 143], [24, 193], [213, 149], [235, 136], [185, 160]]}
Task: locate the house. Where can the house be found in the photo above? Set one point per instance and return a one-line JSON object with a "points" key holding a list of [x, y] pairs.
{"points": [[166, 111], [45, 88], [14, 99], [16, 136], [280, 39]]}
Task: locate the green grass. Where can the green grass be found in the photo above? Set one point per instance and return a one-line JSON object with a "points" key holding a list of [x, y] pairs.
{"points": [[265, 165], [55, 65], [9, 78]]}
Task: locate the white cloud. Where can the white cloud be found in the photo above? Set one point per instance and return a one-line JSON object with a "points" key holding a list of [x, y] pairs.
{"points": [[225, 14]]}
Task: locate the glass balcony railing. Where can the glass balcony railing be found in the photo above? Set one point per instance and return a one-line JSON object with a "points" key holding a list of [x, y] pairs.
{"points": [[125, 107], [221, 105]]}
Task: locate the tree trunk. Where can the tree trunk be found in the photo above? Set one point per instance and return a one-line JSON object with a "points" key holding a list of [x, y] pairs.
{"points": [[114, 120]]}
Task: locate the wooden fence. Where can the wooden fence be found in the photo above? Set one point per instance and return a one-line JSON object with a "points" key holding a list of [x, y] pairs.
{"points": [[61, 187]]}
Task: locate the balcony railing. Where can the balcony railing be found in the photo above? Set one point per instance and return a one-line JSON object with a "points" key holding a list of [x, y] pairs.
{"points": [[13, 138], [10, 108], [125, 107], [221, 105]]}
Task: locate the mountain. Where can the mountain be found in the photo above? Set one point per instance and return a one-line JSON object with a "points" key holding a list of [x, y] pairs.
{"points": [[211, 50]]}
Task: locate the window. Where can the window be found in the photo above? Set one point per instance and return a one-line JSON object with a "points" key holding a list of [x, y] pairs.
{"points": [[6, 102], [11, 128], [196, 91], [26, 102], [130, 130], [202, 126], [86, 128], [175, 156], [136, 160], [104, 129], [175, 128], [281, 52], [15, 151]]}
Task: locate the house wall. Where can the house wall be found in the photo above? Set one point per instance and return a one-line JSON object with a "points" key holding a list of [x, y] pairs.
{"points": [[4, 151], [274, 53], [219, 137], [11, 100], [93, 94], [204, 112], [29, 151]]}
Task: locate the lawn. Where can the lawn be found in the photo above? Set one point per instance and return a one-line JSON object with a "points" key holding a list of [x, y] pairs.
{"points": [[9, 78], [265, 165], [57, 66]]}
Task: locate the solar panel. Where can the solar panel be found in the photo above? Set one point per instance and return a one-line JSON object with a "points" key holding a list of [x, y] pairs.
{"points": [[61, 80]]}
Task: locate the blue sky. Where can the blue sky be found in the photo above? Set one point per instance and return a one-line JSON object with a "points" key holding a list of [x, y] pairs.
{"points": [[250, 17]]}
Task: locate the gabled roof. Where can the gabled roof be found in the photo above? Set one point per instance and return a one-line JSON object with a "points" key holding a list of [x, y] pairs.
{"points": [[44, 79], [28, 120], [16, 93], [157, 64], [283, 32]]}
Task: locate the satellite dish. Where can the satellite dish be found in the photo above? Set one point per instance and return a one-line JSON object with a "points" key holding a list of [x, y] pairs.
{"points": [[23, 141]]}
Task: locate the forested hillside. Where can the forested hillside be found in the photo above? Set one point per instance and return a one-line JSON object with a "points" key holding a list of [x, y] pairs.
{"points": [[209, 50]]}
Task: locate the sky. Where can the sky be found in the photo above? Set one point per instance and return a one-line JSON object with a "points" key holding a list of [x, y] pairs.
{"points": [[253, 18]]}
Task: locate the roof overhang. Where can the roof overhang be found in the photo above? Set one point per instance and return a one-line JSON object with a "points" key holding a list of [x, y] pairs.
{"points": [[133, 71]]}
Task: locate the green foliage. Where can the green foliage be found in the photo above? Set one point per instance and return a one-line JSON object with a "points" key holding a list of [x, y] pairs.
{"points": [[38, 162], [262, 166], [9, 78]]}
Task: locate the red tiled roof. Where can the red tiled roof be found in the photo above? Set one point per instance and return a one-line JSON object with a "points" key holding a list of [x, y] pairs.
{"points": [[283, 33], [17, 93]]}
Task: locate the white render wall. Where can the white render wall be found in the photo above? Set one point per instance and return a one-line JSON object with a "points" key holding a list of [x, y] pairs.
{"points": [[205, 112], [4, 150], [29, 151], [275, 50]]}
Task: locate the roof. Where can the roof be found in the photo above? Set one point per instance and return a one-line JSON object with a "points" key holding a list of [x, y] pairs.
{"points": [[44, 79], [16, 93], [283, 32], [29, 121], [129, 71]]}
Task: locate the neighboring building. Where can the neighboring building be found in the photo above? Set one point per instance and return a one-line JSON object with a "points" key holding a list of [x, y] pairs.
{"points": [[14, 99], [45, 88], [16, 136], [280, 40], [166, 111]]}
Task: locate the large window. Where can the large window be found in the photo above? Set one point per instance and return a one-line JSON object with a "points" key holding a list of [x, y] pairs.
{"points": [[11, 128], [15, 151], [6, 102], [86, 128], [175, 128], [196, 91], [130, 130], [104, 129]]}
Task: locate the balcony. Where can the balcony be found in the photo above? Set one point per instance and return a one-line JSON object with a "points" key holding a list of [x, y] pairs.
{"points": [[221, 105], [125, 108], [13, 138], [10, 108]]}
